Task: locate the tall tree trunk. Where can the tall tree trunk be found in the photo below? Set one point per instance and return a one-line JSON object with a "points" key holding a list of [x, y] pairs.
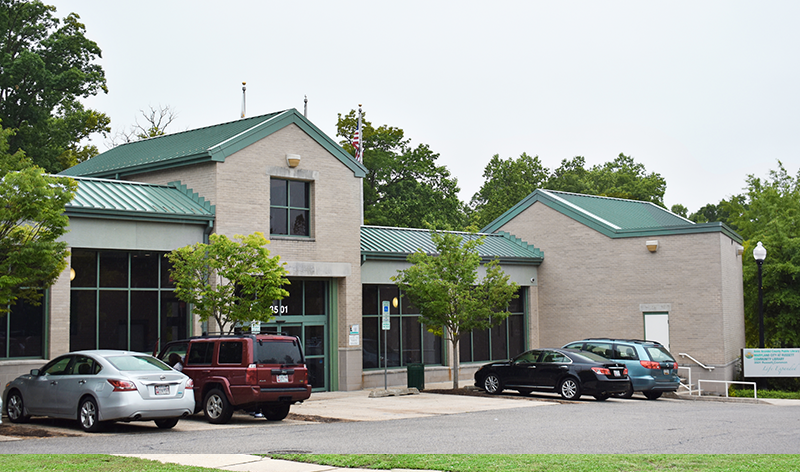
{"points": [[456, 366]]}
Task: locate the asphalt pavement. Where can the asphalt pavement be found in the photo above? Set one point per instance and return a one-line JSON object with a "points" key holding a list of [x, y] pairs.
{"points": [[363, 405]]}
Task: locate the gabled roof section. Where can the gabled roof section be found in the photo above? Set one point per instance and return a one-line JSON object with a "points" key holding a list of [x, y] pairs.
{"points": [[113, 199], [614, 217], [384, 243], [209, 144]]}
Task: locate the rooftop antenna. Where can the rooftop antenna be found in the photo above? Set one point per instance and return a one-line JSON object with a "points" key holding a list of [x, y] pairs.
{"points": [[305, 106], [244, 102]]}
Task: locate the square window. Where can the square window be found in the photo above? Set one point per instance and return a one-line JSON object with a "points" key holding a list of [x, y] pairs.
{"points": [[290, 207]]}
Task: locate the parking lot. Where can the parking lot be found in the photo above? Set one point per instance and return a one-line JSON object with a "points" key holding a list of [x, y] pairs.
{"points": [[428, 422]]}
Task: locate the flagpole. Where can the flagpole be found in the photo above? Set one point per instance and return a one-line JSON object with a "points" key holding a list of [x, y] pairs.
{"points": [[360, 158]]}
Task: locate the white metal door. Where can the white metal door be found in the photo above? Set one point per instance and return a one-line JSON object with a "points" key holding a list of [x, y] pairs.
{"points": [[656, 328]]}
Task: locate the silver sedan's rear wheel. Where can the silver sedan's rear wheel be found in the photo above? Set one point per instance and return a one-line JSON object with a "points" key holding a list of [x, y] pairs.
{"points": [[570, 389], [492, 384], [15, 408], [89, 415]]}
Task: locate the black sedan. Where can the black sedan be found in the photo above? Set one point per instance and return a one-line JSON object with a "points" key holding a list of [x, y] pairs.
{"points": [[565, 371]]}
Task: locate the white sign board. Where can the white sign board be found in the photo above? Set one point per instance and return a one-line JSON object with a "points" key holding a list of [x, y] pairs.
{"points": [[354, 335], [255, 327], [771, 362]]}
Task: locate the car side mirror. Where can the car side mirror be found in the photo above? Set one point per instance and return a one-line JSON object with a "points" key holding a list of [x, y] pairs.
{"points": [[35, 372]]}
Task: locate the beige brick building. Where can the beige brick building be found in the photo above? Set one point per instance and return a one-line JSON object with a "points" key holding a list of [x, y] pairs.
{"points": [[611, 264], [586, 266]]}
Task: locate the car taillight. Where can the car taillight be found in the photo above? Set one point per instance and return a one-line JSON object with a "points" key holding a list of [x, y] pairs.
{"points": [[602, 370], [625, 371], [189, 384], [251, 377], [675, 365], [650, 364], [122, 385]]}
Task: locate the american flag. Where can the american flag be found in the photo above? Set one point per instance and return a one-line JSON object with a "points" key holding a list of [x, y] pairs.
{"points": [[357, 143]]}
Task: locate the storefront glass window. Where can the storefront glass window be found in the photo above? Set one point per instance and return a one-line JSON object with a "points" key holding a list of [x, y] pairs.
{"points": [[407, 341], [129, 304], [22, 330]]}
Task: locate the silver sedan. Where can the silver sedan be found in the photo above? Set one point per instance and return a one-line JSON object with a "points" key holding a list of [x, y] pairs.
{"points": [[99, 386]]}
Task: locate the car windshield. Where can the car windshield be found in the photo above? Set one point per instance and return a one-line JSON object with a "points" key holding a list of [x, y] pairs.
{"points": [[279, 352], [586, 356], [659, 354], [138, 363]]}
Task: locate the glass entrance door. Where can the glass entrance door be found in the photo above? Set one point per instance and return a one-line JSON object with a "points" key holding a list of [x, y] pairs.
{"points": [[312, 338], [304, 313]]}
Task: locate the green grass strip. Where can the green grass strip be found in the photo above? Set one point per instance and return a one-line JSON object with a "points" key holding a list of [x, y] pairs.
{"points": [[555, 462]]}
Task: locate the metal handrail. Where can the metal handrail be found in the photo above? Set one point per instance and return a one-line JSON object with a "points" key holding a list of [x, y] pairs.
{"points": [[683, 354], [689, 386], [726, 382]]}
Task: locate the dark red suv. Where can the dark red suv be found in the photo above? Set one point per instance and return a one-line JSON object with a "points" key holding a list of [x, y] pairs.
{"points": [[262, 374]]}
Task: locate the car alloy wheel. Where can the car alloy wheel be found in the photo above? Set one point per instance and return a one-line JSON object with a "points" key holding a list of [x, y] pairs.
{"points": [[88, 415], [492, 384], [570, 389], [15, 408], [217, 408]]}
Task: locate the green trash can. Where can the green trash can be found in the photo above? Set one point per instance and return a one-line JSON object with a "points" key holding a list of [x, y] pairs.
{"points": [[416, 376]]}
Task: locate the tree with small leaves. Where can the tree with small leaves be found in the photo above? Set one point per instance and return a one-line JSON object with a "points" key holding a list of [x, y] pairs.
{"points": [[232, 282], [446, 290]]}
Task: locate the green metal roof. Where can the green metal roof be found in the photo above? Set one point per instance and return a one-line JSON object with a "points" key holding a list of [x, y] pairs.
{"points": [[99, 198], [614, 217], [379, 242], [209, 144]]}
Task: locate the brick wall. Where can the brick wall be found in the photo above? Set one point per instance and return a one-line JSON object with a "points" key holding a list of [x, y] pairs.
{"points": [[591, 285]]}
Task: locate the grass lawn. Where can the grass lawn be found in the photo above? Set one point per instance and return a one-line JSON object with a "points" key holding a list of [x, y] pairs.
{"points": [[443, 462], [558, 462]]}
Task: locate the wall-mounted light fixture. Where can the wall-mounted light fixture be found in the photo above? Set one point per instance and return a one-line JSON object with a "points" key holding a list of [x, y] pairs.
{"points": [[71, 274], [739, 250], [652, 245], [293, 160]]}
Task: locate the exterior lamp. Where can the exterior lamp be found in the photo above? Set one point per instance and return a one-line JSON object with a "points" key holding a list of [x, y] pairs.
{"points": [[760, 253]]}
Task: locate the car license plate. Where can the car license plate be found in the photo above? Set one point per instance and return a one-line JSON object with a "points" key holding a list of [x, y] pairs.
{"points": [[616, 373], [283, 378], [666, 371], [162, 389]]}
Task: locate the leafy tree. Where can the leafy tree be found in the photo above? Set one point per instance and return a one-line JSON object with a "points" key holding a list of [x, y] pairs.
{"points": [[720, 212], [229, 281], [446, 290], [621, 178], [570, 176], [679, 209], [156, 122], [404, 186], [46, 66], [769, 212], [32, 220], [507, 182]]}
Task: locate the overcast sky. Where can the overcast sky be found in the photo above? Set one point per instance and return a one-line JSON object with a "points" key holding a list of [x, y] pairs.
{"points": [[703, 93]]}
